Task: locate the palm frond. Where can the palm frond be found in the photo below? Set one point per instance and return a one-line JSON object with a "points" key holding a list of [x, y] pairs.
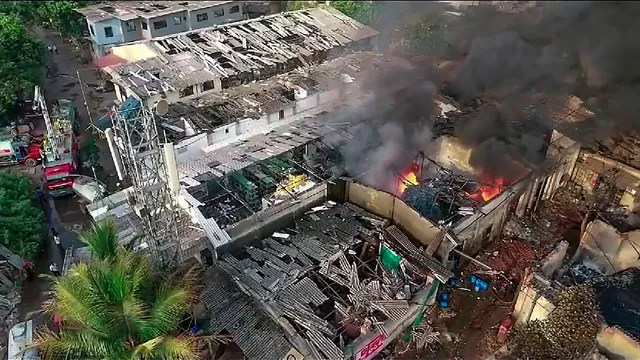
{"points": [[189, 279], [78, 301], [166, 313], [102, 240], [118, 306], [169, 348], [73, 345]]}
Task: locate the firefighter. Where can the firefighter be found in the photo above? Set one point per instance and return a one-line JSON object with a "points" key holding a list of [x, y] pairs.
{"points": [[54, 269], [28, 268], [56, 239]]}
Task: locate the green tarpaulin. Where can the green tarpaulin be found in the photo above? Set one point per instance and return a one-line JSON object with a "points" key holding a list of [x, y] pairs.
{"points": [[390, 259]]}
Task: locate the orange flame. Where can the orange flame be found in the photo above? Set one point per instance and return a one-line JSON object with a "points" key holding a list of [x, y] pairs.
{"points": [[408, 179], [487, 192]]}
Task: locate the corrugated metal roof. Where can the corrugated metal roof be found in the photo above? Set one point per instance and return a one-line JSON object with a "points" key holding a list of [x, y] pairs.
{"points": [[442, 273], [259, 337]]}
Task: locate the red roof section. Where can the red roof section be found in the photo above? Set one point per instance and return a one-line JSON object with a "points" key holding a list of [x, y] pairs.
{"points": [[108, 61]]}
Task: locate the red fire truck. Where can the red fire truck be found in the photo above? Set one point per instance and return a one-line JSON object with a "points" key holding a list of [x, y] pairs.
{"points": [[60, 145]]}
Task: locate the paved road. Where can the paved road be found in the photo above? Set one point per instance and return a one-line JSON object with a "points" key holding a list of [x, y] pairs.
{"points": [[64, 213], [65, 216], [62, 82]]}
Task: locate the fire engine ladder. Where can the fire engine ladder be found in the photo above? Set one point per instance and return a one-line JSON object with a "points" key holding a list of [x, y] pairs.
{"points": [[52, 138], [68, 260]]}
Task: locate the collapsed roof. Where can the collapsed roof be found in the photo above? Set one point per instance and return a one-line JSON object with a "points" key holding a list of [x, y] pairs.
{"points": [[321, 284], [236, 53]]}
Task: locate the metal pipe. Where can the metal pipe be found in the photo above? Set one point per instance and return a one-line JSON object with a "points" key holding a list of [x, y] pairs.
{"points": [[84, 98], [472, 259]]}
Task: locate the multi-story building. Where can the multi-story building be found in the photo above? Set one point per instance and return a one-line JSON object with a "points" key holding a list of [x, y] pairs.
{"points": [[115, 23], [223, 81]]}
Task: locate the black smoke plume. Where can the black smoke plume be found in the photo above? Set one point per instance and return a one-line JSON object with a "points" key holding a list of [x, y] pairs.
{"points": [[516, 63]]}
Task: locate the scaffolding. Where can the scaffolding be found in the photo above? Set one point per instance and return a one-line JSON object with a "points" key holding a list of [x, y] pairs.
{"points": [[144, 163]]}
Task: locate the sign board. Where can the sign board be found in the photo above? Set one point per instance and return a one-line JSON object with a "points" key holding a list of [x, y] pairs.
{"points": [[372, 348]]}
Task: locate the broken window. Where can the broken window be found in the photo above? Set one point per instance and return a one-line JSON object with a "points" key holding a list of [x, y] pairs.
{"points": [[177, 20], [486, 234], [108, 31], [218, 13], [144, 25], [188, 91], [202, 17], [160, 24], [130, 25], [281, 114], [208, 85], [234, 9]]}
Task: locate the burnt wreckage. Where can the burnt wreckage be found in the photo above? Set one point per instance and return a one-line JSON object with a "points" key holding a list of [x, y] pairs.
{"points": [[341, 274]]}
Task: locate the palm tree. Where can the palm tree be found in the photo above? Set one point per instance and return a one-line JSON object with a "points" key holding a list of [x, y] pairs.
{"points": [[117, 306]]}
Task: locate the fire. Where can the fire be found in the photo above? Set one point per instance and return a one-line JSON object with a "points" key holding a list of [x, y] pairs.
{"points": [[488, 190], [408, 179]]}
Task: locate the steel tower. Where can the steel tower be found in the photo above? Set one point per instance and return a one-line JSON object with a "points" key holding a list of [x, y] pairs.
{"points": [[144, 163]]}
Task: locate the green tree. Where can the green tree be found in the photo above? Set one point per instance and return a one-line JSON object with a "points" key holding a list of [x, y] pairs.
{"points": [[118, 306], [300, 5], [62, 17], [426, 36], [361, 11], [21, 218], [21, 61], [91, 153], [54, 15]]}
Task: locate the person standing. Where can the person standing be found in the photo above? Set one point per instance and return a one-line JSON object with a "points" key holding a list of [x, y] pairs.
{"points": [[54, 269], [56, 239], [55, 49], [28, 268], [41, 196]]}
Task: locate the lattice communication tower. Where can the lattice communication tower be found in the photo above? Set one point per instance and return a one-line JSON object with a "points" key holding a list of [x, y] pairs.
{"points": [[144, 163]]}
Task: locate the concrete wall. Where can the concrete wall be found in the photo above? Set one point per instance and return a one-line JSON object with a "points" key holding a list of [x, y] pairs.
{"points": [[213, 20], [173, 27], [605, 246], [531, 304], [279, 216], [264, 223], [618, 345], [133, 32], [560, 162], [190, 148], [98, 35], [390, 207], [485, 225]]}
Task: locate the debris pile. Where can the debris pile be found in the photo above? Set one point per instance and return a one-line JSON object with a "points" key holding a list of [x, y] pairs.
{"points": [[340, 273], [512, 257], [10, 284], [569, 332], [616, 295]]}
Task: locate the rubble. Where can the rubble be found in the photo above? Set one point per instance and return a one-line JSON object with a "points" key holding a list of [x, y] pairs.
{"points": [[10, 288], [340, 273]]}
